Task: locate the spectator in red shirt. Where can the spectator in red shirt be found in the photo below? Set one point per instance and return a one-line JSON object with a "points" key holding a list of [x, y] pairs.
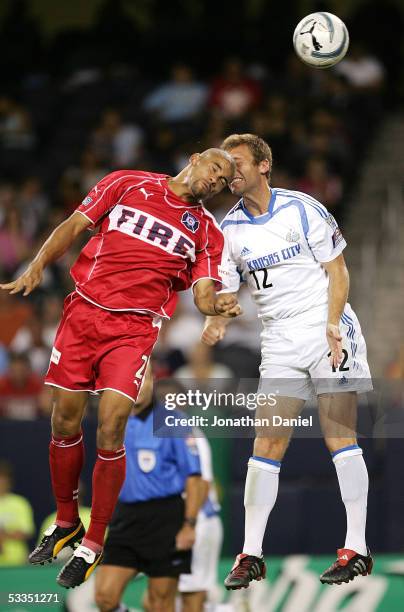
{"points": [[20, 390], [233, 93]]}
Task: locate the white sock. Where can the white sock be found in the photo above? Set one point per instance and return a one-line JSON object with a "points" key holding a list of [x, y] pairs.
{"points": [[353, 483], [261, 490]]}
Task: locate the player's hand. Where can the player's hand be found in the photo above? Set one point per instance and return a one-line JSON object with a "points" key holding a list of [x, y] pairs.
{"points": [[185, 538], [212, 333], [227, 306], [27, 281], [334, 339]]}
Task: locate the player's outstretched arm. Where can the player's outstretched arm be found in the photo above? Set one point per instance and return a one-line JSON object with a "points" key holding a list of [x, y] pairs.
{"points": [[338, 289], [58, 242], [210, 304]]}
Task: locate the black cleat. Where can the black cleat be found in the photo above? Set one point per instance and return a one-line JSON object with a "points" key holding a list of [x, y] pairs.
{"points": [[54, 539], [79, 567], [245, 569], [348, 565]]}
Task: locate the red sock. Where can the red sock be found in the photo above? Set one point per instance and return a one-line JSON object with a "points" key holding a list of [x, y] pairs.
{"points": [[108, 477], [66, 458]]}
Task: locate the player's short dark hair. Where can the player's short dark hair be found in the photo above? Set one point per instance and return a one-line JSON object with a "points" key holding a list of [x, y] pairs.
{"points": [[260, 149]]}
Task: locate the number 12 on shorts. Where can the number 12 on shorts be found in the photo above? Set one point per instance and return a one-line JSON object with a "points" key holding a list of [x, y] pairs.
{"points": [[341, 366]]}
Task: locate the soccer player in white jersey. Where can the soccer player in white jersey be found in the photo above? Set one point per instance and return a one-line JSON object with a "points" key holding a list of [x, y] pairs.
{"points": [[288, 249]]}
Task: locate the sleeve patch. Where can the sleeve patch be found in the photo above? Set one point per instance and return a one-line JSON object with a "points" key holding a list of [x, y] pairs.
{"points": [[337, 237]]}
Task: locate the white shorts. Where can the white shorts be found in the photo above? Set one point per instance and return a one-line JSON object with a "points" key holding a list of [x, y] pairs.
{"points": [[205, 556], [295, 356]]}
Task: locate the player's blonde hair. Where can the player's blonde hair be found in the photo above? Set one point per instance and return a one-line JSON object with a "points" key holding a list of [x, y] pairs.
{"points": [[260, 150]]}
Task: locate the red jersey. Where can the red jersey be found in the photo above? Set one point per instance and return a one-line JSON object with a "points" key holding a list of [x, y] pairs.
{"points": [[150, 244]]}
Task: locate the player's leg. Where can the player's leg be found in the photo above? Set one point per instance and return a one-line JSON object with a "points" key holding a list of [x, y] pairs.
{"points": [[338, 412], [109, 469], [108, 478], [193, 602], [110, 584], [261, 489], [161, 594], [66, 457]]}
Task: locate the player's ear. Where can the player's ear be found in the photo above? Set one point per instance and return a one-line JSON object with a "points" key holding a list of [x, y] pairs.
{"points": [[264, 166], [194, 158]]}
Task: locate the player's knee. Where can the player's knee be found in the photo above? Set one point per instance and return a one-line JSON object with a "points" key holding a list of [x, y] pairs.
{"points": [[105, 599], [193, 602], [111, 433], [161, 603], [66, 420], [160, 600], [271, 448]]}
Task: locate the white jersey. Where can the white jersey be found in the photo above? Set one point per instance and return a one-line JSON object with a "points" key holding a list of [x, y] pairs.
{"points": [[279, 254]]}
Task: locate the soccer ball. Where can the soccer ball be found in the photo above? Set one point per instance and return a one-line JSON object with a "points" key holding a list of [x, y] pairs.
{"points": [[321, 40]]}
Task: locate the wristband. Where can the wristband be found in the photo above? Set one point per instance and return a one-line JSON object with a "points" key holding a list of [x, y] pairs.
{"points": [[190, 521]]}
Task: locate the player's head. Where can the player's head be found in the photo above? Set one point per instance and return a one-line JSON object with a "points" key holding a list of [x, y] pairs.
{"points": [[209, 172], [253, 157]]}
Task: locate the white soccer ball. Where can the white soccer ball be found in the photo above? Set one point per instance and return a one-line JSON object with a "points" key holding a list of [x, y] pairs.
{"points": [[321, 40]]}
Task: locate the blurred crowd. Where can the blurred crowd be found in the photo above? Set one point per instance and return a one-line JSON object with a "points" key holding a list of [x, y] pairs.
{"points": [[57, 139]]}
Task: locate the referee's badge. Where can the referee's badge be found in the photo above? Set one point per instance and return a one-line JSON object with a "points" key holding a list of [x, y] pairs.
{"points": [[146, 460]]}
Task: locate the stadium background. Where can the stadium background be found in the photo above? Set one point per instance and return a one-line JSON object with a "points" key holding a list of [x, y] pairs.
{"points": [[89, 87]]}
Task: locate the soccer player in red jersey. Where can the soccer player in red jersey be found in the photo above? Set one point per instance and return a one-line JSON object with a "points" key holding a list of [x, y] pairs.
{"points": [[154, 238]]}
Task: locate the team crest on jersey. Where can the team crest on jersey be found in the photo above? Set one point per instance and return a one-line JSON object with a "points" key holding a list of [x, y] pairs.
{"points": [[190, 221], [146, 460], [292, 236], [87, 201]]}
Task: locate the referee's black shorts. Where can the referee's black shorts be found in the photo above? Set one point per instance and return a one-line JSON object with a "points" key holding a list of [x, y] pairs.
{"points": [[142, 536]]}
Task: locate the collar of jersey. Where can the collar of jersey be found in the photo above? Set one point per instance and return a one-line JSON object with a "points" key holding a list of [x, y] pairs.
{"points": [[260, 219]]}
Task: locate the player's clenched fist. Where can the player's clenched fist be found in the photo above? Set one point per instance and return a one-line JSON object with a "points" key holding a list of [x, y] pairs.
{"points": [[213, 331], [26, 282], [226, 305]]}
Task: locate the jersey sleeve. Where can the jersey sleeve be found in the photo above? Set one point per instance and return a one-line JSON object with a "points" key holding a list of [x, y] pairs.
{"points": [[208, 257], [187, 455], [228, 269], [103, 196], [323, 235]]}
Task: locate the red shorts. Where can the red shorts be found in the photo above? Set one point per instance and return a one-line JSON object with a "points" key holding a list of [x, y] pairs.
{"points": [[97, 349]]}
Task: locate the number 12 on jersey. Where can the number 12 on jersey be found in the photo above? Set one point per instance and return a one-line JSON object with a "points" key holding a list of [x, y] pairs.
{"points": [[265, 284]]}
